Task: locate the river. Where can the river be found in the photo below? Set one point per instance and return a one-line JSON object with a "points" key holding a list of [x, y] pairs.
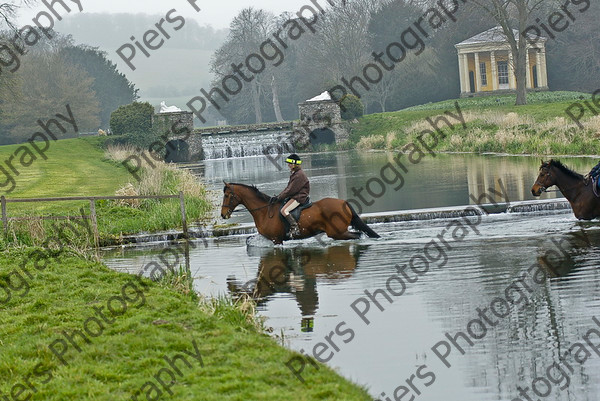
{"points": [[544, 263]]}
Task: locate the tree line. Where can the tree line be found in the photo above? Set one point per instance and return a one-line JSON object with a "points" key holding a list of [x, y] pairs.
{"points": [[350, 31], [39, 76]]}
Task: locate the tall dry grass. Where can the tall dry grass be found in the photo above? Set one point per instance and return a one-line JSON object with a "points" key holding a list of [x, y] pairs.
{"points": [[160, 178]]}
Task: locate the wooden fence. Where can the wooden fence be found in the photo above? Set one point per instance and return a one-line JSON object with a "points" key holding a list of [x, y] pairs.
{"points": [[92, 216]]}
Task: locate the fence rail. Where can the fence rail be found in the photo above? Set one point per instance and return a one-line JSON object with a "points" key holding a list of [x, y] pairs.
{"points": [[93, 217]]}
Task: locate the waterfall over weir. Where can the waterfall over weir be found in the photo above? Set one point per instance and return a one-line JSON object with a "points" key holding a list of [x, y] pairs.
{"points": [[243, 144]]}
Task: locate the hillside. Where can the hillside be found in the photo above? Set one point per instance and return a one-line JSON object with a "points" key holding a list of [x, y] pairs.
{"points": [[493, 124]]}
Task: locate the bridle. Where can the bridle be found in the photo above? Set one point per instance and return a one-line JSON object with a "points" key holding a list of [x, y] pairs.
{"points": [[544, 188], [231, 207]]}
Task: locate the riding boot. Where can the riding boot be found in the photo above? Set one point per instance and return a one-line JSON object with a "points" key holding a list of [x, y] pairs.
{"points": [[294, 229]]}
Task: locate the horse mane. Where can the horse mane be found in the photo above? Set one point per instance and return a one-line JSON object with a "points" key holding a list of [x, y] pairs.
{"points": [[564, 169], [261, 195]]}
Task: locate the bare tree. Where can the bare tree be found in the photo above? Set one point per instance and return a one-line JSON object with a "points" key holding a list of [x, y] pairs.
{"points": [[247, 31], [341, 45], [510, 13], [8, 11]]}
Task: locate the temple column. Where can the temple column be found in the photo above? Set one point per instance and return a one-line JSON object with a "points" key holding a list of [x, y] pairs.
{"points": [[460, 73], [529, 85], [494, 70], [538, 68], [512, 80], [466, 73], [544, 69], [477, 74]]}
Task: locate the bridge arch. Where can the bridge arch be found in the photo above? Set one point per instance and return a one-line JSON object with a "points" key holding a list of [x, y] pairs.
{"points": [[177, 151], [322, 136]]}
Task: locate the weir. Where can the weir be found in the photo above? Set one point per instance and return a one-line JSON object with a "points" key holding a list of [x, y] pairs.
{"points": [[248, 143], [536, 207], [320, 123], [527, 207]]}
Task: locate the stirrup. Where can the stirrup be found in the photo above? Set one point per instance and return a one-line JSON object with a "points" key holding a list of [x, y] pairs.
{"points": [[294, 232]]}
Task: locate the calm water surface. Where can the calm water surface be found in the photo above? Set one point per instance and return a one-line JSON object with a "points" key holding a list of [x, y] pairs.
{"points": [[313, 286], [446, 180]]}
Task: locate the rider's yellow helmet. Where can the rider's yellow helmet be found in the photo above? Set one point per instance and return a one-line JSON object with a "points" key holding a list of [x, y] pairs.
{"points": [[293, 159]]}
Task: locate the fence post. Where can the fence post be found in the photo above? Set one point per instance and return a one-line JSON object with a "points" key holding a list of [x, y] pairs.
{"points": [[4, 216], [183, 215], [94, 222]]}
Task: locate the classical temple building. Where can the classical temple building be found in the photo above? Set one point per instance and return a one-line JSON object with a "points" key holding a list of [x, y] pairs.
{"points": [[485, 64]]}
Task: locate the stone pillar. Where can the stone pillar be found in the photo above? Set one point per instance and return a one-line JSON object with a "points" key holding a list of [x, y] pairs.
{"points": [[320, 115], [477, 74], [529, 85], [512, 81], [178, 125], [460, 73], [494, 70], [538, 67], [543, 68], [466, 73], [172, 123]]}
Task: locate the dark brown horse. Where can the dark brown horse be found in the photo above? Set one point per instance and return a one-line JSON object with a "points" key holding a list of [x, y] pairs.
{"points": [[572, 185], [331, 216]]}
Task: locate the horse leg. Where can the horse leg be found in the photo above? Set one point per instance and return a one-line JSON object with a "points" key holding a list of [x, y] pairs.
{"points": [[341, 232], [345, 236]]}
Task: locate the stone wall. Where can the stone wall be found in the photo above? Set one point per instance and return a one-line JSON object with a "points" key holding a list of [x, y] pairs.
{"points": [[175, 124], [165, 122], [321, 115]]}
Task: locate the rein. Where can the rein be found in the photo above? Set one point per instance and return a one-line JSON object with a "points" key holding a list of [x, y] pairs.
{"points": [[234, 195], [544, 189]]}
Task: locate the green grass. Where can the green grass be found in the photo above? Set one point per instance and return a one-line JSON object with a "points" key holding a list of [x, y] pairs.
{"points": [[533, 98], [239, 362], [75, 167], [541, 127], [78, 167]]}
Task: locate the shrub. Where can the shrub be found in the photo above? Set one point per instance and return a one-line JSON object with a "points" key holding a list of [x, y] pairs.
{"points": [[134, 118], [352, 107]]}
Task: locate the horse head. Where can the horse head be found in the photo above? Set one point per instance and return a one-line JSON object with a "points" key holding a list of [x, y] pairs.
{"points": [[545, 179], [230, 201]]}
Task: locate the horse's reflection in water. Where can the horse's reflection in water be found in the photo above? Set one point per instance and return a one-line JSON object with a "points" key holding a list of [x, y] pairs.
{"points": [[295, 271], [568, 246]]}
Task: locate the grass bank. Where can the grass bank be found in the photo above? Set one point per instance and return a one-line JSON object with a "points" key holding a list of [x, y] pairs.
{"points": [[494, 124], [81, 167], [123, 331]]}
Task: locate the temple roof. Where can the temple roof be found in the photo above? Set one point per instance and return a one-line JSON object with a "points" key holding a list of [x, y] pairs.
{"points": [[494, 35], [322, 97]]}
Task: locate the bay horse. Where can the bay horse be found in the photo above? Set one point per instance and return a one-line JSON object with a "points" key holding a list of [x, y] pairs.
{"points": [[572, 185], [331, 216]]}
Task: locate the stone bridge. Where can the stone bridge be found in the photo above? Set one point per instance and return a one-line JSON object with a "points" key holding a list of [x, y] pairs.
{"points": [[320, 123]]}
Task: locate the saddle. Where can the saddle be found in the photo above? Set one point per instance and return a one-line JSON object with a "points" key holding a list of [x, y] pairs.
{"points": [[595, 186], [295, 213], [593, 176]]}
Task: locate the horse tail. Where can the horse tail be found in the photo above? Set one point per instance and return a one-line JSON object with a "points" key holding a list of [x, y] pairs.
{"points": [[358, 224]]}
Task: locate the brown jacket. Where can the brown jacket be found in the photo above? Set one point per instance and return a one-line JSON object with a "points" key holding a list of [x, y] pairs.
{"points": [[298, 187]]}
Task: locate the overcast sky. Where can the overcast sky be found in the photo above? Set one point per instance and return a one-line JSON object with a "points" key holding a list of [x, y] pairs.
{"points": [[215, 13]]}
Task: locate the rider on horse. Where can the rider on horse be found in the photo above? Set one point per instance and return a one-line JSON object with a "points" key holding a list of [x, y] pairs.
{"points": [[297, 191], [594, 173]]}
